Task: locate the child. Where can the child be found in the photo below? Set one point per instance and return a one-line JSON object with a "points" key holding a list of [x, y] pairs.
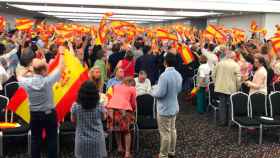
{"points": [[88, 114]]}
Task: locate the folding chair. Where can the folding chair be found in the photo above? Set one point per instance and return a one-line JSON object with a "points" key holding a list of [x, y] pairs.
{"points": [[9, 91], [276, 86], [65, 128], [240, 113], [272, 120], [145, 115], [213, 101], [21, 131]]}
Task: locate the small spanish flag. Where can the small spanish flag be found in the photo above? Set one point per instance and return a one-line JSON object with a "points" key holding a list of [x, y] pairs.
{"points": [[2, 23], [194, 91], [186, 54], [165, 35]]}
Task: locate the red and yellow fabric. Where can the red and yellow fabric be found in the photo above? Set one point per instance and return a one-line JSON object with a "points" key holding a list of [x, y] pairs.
{"points": [[165, 35], [65, 90], [186, 54], [275, 44], [216, 33], [194, 91], [2, 23], [238, 35], [102, 30], [24, 24]]}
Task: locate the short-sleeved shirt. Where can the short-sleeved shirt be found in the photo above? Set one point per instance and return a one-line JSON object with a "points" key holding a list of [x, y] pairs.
{"points": [[203, 74]]}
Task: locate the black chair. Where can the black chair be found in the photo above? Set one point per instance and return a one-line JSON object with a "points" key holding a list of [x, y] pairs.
{"points": [[272, 120], [240, 114], [145, 115], [213, 101], [21, 131], [9, 91], [65, 128], [258, 104], [276, 86]]}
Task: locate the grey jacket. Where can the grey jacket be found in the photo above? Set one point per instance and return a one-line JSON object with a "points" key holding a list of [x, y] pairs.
{"points": [[39, 89]]}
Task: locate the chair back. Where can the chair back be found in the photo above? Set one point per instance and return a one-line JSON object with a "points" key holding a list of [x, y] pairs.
{"points": [[212, 98], [276, 86], [239, 104], [258, 104], [10, 89], [274, 101], [4, 101], [146, 112], [145, 105]]}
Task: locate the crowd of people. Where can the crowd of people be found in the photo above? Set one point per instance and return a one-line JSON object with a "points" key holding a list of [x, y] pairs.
{"points": [[130, 70]]}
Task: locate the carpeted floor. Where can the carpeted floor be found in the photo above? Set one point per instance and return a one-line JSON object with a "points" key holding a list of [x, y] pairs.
{"points": [[198, 137]]}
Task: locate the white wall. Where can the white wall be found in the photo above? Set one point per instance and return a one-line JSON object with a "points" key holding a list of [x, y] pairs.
{"points": [[10, 19], [270, 21], [242, 21]]}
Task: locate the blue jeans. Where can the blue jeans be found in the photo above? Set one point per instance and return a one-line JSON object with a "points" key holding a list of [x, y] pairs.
{"points": [[40, 121]]}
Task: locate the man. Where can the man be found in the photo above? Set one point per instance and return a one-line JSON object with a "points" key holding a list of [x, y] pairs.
{"points": [[143, 84], [166, 92], [227, 79], [148, 63], [38, 85]]}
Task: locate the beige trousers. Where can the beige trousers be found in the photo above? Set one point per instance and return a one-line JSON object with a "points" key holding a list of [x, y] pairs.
{"points": [[168, 136]]}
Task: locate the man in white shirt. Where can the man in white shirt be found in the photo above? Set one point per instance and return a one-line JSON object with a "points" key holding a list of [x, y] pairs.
{"points": [[143, 84]]}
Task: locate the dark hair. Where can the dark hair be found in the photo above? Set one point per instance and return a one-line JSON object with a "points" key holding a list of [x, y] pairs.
{"points": [[88, 96], [26, 57], [116, 47], [53, 48], [129, 55], [170, 59], [100, 54], [261, 60], [146, 49], [2, 49], [211, 47]]}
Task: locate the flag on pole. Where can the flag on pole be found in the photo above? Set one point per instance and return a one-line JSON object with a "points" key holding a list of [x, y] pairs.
{"points": [[186, 54], [64, 91], [165, 35], [216, 32]]}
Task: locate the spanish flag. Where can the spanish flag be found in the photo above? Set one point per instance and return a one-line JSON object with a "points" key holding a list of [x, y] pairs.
{"points": [[186, 54], [238, 35], [65, 90], [2, 23], [165, 35], [216, 32], [102, 30], [24, 24]]}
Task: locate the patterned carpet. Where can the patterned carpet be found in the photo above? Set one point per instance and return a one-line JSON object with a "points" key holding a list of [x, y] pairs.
{"points": [[198, 137]]}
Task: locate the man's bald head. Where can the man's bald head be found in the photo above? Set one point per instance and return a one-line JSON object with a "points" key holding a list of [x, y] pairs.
{"points": [[39, 66]]}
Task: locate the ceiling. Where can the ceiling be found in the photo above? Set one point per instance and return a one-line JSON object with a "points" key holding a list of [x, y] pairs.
{"points": [[140, 11]]}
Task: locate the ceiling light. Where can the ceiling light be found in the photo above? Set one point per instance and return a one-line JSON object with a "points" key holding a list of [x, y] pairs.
{"points": [[105, 10], [75, 15]]}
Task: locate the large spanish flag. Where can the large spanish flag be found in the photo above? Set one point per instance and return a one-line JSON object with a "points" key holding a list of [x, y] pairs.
{"points": [[65, 90], [24, 24], [186, 54]]}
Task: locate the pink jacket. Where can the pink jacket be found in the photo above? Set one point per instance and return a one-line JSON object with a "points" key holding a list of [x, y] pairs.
{"points": [[124, 98]]}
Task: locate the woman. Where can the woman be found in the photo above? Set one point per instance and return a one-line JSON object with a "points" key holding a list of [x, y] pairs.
{"points": [[127, 64], [95, 76], [259, 82], [121, 109], [202, 80], [100, 62], [88, 115]]}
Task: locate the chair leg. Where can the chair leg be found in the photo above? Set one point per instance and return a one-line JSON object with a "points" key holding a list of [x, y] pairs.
{"points": [[239, 134], [215, 116], [58, 142], [261, 135], [29, 143], [1, 144]]}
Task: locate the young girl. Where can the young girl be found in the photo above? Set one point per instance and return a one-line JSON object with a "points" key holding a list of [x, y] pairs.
{"points": [[88, 115]]}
